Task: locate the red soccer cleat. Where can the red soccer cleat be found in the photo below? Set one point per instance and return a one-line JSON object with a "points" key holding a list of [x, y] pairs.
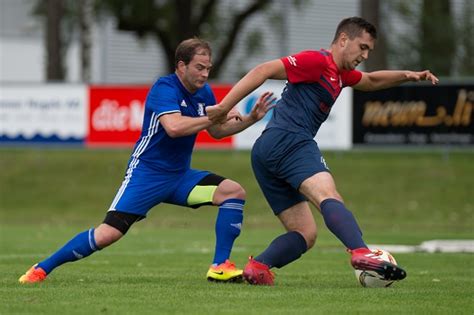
{"points": [[33, 275], [365, 259], [258, 273]]}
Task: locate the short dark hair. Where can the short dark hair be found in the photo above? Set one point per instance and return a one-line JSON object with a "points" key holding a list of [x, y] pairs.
{"points": [[353, 27], [190, 47]]}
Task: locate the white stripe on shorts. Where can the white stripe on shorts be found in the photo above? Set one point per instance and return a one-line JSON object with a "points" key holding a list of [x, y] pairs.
{"points": [[144, 142]]}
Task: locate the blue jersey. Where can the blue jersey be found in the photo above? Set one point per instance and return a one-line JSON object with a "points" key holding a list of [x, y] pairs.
{"points": [[155, 148], [314, 83]]}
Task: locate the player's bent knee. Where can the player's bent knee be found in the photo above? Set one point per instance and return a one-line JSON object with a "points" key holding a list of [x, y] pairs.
{"points": [[121, 221], [106, 235], [310, 236], [311, 240], [239, 192], [229, 189]]}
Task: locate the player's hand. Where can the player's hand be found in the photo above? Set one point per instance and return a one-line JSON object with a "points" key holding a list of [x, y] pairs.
{"points": [[265, 102], [217, 114], [421, 76]]}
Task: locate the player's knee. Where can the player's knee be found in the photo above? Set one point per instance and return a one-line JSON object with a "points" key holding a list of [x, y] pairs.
{"points": [[229, 189], [310, 234], [106, 235], [338, 196], [311, 240], [239, 192], [116, 224]]}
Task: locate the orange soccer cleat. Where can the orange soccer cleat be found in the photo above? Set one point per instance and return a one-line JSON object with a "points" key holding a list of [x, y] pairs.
{"points": [[225, 272], [33, 275]]}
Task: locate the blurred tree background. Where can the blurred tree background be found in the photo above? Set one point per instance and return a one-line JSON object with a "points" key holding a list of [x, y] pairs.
{"points": [[414, 34], [435, 39], [169, 21]]}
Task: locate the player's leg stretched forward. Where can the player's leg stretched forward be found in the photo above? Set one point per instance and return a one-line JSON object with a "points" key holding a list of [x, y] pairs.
{"points": [[115, 225], [298, 220], [320, 189], [230, 197]]}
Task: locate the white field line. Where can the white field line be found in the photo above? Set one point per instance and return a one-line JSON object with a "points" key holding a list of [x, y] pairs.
{"points": [[432, 246]]}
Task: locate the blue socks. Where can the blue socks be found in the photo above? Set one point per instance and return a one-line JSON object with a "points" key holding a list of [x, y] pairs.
{"points": [[288, 247], [81, 246], [283, 250], [342, 223], [228, 225]]}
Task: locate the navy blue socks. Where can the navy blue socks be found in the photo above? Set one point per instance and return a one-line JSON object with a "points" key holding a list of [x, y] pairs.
{"points": [[228, 226], [283, 250], [81, 246], [342, 223]]}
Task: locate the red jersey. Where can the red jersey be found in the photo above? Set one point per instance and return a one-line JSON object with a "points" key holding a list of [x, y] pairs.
{"points": [[314, 83]]}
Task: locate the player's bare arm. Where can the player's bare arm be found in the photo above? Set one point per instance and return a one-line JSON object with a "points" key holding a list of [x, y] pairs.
{"points": [[265, 102], [273, 69], [177, 125], [377, 80]]}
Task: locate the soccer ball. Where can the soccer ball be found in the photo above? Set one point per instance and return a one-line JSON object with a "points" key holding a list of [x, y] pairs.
{"points": [[371, 279]]}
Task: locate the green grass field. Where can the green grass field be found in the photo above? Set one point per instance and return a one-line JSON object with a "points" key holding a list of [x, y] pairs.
{"points": [[49, 195]]}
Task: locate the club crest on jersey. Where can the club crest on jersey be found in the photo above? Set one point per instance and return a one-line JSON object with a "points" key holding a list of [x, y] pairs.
{"points": [[200, 109]]}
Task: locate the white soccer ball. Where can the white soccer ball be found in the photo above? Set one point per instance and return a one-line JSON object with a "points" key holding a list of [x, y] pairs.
{"points": [[371, 279]]}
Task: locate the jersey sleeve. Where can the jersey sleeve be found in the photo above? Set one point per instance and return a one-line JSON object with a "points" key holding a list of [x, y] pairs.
{"points": [[163, 99], [304, 67], [350, 78]]}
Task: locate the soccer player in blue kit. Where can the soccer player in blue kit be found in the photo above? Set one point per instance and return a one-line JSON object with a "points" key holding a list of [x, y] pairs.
{"points": [[286, 160], [159, 169]]}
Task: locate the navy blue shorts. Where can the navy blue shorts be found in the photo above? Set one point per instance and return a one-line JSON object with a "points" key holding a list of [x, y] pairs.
{"points": [[143, 188], [281, 161]]}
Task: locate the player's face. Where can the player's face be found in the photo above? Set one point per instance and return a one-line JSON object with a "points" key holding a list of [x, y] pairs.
{"points": [[357, 50], [195, 74]]}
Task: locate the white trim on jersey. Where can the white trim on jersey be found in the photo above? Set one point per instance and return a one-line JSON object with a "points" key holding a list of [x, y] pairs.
{"points": [[169, 112], [152, 130]]}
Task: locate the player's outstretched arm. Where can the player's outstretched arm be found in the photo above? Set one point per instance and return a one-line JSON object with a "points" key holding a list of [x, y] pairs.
{"points": [[177, 125], [265, 102], [377, 80], [253, 79]]}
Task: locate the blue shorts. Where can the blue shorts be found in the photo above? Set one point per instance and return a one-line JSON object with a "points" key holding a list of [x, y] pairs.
{"points": [[143, 188], [281, 161]]}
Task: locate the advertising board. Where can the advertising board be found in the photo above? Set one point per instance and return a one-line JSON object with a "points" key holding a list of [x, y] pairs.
{"points": [[51, 113], [415, 115]]}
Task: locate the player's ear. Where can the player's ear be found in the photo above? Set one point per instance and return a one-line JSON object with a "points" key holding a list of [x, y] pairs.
{"points": [[343, 38], [181, 66]]}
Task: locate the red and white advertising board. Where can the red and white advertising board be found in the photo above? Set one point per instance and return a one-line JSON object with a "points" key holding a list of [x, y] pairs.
{"points": [[116, 114], [111, 116]]}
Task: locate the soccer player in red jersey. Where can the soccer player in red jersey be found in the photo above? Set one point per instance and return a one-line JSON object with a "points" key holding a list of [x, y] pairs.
{"points": [[286, 160]]}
